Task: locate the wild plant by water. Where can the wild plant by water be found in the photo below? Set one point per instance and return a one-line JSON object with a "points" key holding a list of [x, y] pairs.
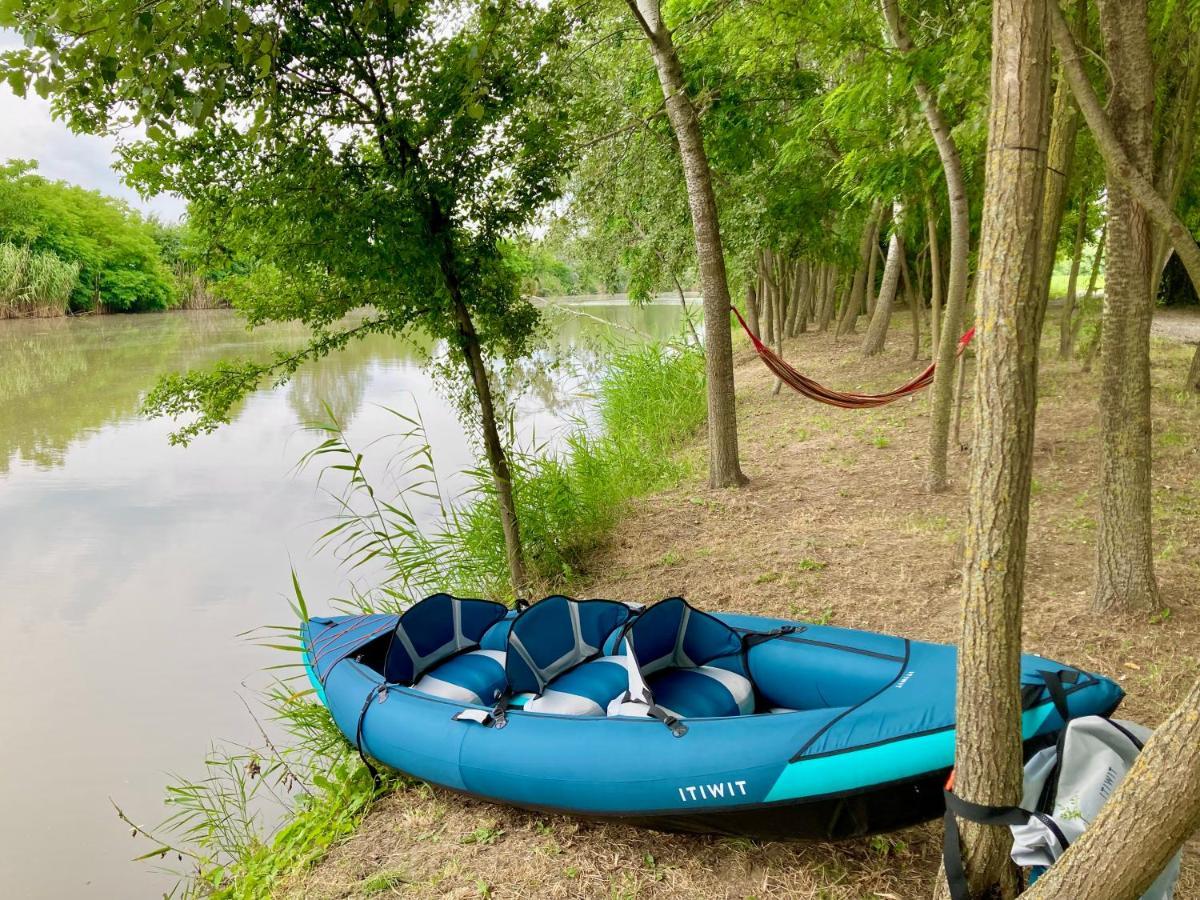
{"points": [[33, 283]]}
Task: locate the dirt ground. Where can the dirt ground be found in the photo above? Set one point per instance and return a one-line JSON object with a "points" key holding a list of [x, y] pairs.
{"points": [[834, 526]]}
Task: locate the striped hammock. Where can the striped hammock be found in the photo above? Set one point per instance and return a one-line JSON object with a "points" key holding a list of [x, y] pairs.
{"points": [[801, 384]]}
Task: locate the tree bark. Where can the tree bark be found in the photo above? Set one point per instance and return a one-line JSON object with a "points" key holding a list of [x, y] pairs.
{"points": [[853, 305], [724, 469], [960, 246], [1149, 816], [988, 737], [1193, 378], [1064, 129], [935, 283], [752, 307], [1124, 578], [876, 335], [1066, 324]]}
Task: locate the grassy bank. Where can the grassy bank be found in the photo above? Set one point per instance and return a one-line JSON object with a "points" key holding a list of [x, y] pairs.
{"points": [[649, 403]]}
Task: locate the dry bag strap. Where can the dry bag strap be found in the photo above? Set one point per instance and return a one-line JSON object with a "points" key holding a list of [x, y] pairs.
{"points": [[1058, 693], [956, 875], [380, 690]]}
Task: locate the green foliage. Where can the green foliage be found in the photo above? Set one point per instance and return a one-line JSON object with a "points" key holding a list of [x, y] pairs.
{"points": [[111, 249], [373, 155]]}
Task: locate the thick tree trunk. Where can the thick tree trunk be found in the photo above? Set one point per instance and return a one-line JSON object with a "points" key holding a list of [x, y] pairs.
{"points": [[853, 305], [1066, 324], [988, 736], [1124, 545], [724, 469], [1149, 816], [960, 246], [876, 335], [935, 284]]}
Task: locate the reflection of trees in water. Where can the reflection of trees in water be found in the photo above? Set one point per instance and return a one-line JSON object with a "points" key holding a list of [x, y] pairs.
{"points": [[61, 379]]}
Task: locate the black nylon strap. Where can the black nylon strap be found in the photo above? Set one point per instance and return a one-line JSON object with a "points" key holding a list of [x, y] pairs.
{"points": [[956, 875], [380, 688], [1058, 694]]}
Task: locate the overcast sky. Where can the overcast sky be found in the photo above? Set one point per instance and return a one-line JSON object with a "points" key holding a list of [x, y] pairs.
{"points": [[28, 131]]}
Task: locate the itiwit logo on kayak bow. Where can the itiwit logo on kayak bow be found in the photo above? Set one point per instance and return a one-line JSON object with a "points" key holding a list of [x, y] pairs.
{"points": [[718, 791]]}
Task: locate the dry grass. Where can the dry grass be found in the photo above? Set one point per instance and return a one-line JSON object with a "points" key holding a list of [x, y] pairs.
{"points": [[833, 526]]}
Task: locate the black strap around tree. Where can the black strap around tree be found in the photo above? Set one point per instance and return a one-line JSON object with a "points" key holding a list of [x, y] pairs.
{"points": [[957, 807]]}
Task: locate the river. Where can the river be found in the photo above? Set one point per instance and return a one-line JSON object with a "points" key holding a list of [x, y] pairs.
{"points": [[131, 566]]}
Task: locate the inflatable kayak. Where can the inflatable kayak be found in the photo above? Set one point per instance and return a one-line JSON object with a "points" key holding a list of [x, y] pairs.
{"points": [[666, 716]]}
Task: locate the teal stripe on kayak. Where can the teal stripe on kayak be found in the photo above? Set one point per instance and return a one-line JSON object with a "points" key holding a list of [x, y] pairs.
{"points": [[878, 765]]}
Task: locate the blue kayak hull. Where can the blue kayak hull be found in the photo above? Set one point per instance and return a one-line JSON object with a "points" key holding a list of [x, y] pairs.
{"points": [[866, 749]]}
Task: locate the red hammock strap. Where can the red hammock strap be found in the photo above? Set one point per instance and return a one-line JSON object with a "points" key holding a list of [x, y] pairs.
{"points": [[845, 399]]}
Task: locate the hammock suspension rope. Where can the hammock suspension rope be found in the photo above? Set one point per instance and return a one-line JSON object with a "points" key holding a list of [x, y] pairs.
{"points": [[802, 384]]}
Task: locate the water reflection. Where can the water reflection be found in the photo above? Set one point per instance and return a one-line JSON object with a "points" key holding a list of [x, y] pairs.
{"points": [[130, 565]]}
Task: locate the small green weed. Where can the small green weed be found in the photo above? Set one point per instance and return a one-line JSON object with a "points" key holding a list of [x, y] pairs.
{"points": [[485, 835]]}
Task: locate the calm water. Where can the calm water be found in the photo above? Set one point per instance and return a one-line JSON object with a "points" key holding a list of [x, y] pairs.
{"points": [[130, 566]]}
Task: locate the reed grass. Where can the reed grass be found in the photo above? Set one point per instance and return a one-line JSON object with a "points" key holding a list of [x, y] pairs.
{"points": [[34, 283]]}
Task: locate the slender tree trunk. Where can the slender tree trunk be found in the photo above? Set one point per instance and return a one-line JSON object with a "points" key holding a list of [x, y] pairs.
{"points": [[1089, 354], [828, 309], [724, 469], [872, 269], [935, 283], [752, 307], [853, 305], [914, 308], [988, 738], [497, 458], [1154, 809], [1066, 325], [960, 247], [1064, 129], [876, 335], [1193, 378]]}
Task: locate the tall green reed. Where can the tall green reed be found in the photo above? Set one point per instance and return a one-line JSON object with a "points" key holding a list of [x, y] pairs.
{"points": [[33, 283]]}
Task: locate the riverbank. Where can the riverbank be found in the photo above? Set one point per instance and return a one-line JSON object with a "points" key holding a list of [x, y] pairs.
{"points": [[834, 526]]}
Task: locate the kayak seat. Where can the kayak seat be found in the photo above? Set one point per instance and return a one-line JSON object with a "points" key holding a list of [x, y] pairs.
{"points": [[688, 663], [556, 654], [437, 631], [702, 692], [476, 676], [586, 690]]}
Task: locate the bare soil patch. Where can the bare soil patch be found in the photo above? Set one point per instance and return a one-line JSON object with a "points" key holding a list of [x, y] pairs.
{"points": [[834, 526]]}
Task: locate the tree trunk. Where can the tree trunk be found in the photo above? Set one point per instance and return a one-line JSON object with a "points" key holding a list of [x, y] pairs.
{"points": [[1064, 129], [935, 283], [872, 268], [988, 737], [1066, 325], [1148, 817], [1124, 545], [468, 342], [1089, 353], [1193, 377], [853, 305], [960, 239], [724, 469], [911, 294], [752, 307], [828, 308], [876, 335]]}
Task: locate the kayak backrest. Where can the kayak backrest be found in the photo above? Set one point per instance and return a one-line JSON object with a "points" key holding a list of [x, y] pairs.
{"points": [[434, 629], [555, 635], [674, 634]]}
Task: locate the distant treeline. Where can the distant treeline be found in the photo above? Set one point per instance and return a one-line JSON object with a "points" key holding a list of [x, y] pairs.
{"points": [[64, 249]]}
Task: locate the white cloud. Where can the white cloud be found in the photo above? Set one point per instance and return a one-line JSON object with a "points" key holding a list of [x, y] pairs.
{"points": [[28, 130]]}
